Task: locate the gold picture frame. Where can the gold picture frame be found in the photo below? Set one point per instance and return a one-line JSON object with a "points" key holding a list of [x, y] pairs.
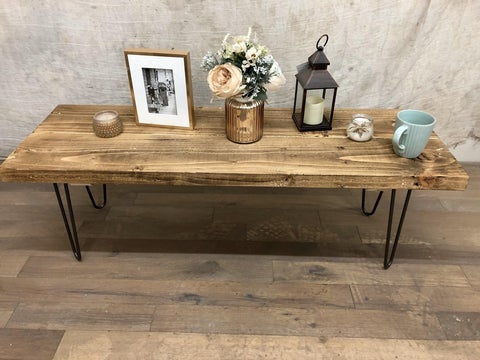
{"points": [[161, 87]]}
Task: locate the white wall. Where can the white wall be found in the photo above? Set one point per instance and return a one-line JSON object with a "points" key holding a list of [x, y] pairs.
{"points": [[401, 54]]}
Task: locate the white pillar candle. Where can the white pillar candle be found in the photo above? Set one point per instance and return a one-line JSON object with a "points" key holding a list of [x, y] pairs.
{"points": [[314, 105]]}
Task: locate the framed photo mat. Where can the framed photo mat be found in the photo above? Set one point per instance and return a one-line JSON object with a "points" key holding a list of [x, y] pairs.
{"points": [[161, 87]]}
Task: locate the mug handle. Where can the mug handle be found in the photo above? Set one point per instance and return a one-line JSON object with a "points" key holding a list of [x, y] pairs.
{"points": [[397, 135]]}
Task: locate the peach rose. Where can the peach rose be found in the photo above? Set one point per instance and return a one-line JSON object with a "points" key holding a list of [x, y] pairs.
{"points": [[225, 80]]}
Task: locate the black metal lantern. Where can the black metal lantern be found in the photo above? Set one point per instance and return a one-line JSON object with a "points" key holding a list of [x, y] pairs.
{"points": [[315, 87]]}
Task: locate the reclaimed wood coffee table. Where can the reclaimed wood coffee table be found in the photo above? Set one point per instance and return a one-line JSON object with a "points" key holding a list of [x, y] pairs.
{"points": [[64, 150]]}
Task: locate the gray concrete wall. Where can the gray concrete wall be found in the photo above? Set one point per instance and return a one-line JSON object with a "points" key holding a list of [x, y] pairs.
{"points": [[403, 54]]}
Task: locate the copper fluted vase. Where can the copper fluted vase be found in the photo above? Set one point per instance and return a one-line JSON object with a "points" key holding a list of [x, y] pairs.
{"points": [[244, 120]]}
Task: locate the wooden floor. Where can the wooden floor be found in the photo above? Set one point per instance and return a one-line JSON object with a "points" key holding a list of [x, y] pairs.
{"points": [[238, 273]]}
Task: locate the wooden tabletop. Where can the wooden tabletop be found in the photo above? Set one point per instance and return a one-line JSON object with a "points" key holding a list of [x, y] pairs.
{"points": [[64, 149]]}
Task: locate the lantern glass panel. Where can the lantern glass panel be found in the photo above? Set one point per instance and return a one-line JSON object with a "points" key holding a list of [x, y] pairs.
{"points": [[299, 103], [329, 102]]}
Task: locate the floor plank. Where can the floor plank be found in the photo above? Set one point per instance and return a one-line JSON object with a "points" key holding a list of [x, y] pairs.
{"points": [[28, 344], [460, 325], [473, 275], [369, 273], [77, 345], [11, 264], [416, 298], [84, 315], [168, 292], [297, 322], [152, 266], [6, 310]]}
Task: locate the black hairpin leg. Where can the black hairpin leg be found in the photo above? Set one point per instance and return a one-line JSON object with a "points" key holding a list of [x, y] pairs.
{"points": [[388, 259], [368, 213], [389, 255], [92, 199], [69, 225], [69, 220]]}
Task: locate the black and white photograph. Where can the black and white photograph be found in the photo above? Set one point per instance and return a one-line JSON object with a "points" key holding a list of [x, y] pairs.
{"points": [[161, 87], [160, 90]]}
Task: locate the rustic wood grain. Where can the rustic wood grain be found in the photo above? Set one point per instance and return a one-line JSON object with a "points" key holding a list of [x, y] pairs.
{"points": [[420, 227], [29, 344], [416, 298], [296, 322], [79, 345], [4, 317], [473, 274], [460, 325], [169, 292], [7, 308], [10, 264], [64, 149], [157, 266], [81, 315], [369, 273]]}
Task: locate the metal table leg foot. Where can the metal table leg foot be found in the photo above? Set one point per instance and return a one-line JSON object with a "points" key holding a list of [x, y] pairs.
{"points": [[368, 213], [92, 199], [388, 259], [389, 254], [69, 226]]}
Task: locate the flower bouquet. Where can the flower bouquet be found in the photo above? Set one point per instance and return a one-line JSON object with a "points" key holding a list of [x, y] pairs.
{"points": [[241, 72], [242, 68]]}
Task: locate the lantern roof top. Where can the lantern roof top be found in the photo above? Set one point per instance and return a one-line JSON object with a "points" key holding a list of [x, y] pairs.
{"points": [[318, 60], [313, 74]]}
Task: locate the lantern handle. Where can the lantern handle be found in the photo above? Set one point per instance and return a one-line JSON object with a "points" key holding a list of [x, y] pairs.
{"points": [[319, 47]]}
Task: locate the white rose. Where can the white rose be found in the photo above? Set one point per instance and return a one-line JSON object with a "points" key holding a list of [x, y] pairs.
{"points": [[225, 80], [239, 47], [252, 54]]}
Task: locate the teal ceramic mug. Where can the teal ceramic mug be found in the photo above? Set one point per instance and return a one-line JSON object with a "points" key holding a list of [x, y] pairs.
{"points": [[412, 131]]}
